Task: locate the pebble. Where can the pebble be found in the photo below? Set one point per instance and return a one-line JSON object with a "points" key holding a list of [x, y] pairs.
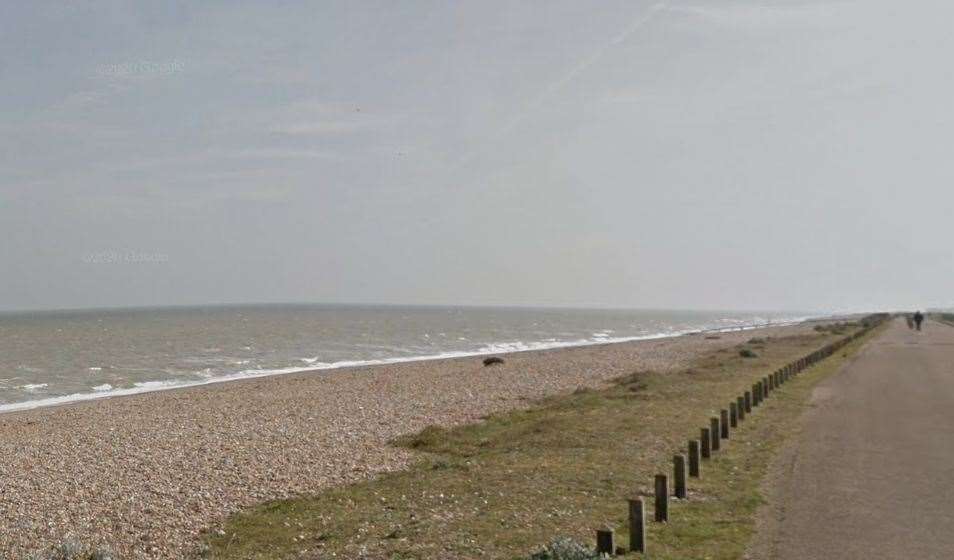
{"points": [[150, 474]]}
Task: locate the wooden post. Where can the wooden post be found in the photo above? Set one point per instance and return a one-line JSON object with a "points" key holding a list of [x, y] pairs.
{"points": [[765, 388], [724, 423], [748, 402], [662, 498], [733, 415], [605, 541], [694, 470], [679, 476], [637, 525], [740, 407], [706, 441], [757, 393], [715, 432]]}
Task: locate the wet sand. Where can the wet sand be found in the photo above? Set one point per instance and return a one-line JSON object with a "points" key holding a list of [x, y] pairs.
{"points": [[147, 474]]}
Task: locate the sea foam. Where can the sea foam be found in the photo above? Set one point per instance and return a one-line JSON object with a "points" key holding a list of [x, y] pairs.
{"points": [[313, 364]]}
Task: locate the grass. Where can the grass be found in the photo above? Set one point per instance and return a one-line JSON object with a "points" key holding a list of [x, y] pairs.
{"points": [[506, 486], [944, 318]]}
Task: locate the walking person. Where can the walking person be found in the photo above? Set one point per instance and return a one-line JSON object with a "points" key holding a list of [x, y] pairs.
{"points": [[918, 319]]}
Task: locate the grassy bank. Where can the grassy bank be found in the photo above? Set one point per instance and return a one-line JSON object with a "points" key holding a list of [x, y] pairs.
{"points": [[505, 486], [947, 318]]}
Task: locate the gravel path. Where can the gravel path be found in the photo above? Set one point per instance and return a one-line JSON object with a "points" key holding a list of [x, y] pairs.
{"points": [[146, 474]]}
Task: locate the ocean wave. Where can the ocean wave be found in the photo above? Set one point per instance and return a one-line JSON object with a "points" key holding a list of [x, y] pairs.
{"points": [[313, 364], [33, 386]]}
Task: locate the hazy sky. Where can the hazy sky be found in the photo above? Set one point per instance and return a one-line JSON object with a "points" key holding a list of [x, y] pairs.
{"points": [[691, 153]]}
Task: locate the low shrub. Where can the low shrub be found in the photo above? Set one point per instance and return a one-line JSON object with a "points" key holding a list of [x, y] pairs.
{"points": [[746, 353], [74, 550], [565, 549]]}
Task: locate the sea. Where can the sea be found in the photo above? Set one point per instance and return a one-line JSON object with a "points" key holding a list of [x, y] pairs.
{"points": [[53, 357]]}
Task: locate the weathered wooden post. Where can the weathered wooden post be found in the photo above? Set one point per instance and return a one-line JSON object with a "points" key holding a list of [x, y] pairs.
{"points": [[748, 402], [733, 415], [706, 440], [757, 393], [637, 525], [679, 476], [694, 470], [724, 423], [715, 431], [740, 407], [605, 541], [662, 498]]}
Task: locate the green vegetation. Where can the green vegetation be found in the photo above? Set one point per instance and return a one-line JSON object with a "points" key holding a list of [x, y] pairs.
{"points": [[74, 550], [837, 328], [565, 549], [945, 318], [505, 487]]}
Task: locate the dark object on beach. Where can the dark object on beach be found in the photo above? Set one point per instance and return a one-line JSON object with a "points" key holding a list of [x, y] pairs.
{"points": [[713, 337], [493, 360], [746, 353]]}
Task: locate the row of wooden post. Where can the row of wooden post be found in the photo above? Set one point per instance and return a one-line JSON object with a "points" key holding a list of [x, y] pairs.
{"points": [[710, 441]]}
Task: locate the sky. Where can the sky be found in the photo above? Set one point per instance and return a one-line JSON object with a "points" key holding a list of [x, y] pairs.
{"points": [[693, 154]]}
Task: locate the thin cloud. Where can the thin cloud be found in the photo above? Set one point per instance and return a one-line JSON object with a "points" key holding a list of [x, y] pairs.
{"points": [[757, 16], [554, 87]]}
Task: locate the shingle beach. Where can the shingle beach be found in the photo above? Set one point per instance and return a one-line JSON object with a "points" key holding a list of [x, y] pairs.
{"points": [[147, 474]]}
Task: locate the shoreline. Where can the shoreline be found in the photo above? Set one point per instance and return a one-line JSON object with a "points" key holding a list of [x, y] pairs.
{"points": [[172, 385], [148, 474]]}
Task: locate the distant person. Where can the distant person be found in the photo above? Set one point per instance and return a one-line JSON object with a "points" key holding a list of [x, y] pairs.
{"points": [[918, 319], [910, 320]]}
